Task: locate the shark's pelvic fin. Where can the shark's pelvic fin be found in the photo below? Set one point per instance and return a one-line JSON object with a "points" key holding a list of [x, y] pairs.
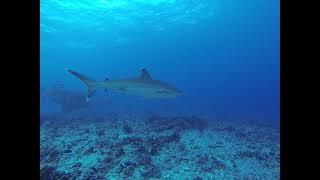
{"points": [[90, 83], [145, 74]]}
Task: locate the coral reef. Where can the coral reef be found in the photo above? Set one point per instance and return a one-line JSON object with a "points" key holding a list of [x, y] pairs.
{"points": [[156, 147], [67, 99]]}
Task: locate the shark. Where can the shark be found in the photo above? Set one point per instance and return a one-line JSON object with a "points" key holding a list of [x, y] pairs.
{"points": [[144, 85]]}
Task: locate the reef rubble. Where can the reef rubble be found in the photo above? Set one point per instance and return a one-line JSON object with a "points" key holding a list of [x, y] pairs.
{"points": [[156, 147]]}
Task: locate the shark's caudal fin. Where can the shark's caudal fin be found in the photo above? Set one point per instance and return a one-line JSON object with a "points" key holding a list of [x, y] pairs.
{"points": [[90, 83]]}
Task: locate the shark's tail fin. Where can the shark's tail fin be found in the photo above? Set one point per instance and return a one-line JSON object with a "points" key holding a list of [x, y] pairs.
{"points": [[90, 83]]}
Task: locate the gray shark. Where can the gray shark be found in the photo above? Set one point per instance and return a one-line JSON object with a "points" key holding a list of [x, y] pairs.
{"points": [[143, 85]]}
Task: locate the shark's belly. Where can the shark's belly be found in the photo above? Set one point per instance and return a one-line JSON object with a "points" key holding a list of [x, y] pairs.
{"points": [[146, 92], [139, 91]]}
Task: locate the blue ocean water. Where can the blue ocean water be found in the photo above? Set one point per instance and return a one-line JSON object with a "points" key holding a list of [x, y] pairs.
{"points": [[223, 54]]}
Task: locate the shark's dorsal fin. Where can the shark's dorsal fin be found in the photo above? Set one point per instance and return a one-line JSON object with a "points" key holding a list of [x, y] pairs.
{"points": [[144, 74]]}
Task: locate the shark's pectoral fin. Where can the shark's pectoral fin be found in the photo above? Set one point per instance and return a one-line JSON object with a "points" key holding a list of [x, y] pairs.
{"points": [[162, 92], [122, 89]]}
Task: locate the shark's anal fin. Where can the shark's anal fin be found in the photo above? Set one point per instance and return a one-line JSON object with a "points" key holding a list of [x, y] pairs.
{"points": [[106, 79], [144, 74]]}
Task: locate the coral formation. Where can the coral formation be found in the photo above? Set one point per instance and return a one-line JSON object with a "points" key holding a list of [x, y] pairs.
{"points": [[67, 99], [156, 147]]}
